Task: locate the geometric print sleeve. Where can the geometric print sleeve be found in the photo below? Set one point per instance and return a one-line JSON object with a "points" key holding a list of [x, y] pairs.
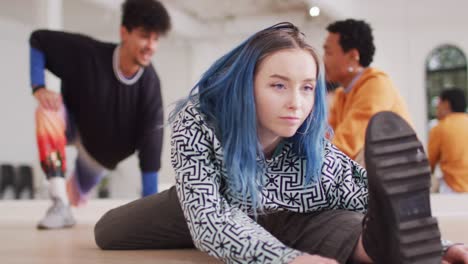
{"points": [[217, 228], [344, 180]]}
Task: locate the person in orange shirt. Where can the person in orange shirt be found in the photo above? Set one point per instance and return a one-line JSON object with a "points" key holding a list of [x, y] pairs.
{"points": [[448, 143], [365, 91], [331, 89]]}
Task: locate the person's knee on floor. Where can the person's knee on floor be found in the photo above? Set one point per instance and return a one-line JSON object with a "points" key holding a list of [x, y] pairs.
{"points": [[101, 231]]}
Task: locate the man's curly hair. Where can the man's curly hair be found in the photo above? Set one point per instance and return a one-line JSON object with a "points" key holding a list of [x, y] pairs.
{"points": [[149, 14], [355, 34]]}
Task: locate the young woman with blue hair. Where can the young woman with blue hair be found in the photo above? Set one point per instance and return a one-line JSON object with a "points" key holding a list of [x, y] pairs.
{"points": [[258, 182]]}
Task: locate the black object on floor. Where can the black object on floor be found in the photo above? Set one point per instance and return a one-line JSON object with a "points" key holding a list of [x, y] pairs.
{"points": [[7, 178], [24, 182]]}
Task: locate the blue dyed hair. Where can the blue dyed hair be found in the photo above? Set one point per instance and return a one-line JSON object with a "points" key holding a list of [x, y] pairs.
{"points": [[225, 95]]}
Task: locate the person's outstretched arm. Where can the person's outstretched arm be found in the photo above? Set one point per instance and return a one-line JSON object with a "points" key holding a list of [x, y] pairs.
{"points": [[58, 52], [151, 132], [49, 100]]}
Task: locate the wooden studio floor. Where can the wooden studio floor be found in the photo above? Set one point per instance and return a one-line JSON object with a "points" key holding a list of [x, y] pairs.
{"points": [[21, 243]]}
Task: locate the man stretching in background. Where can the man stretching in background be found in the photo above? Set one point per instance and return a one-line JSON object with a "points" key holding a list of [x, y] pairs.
{"points": [[110, 105]]}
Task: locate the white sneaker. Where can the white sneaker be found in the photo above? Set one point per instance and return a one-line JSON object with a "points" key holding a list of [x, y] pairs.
{"points": [[57, 216]]}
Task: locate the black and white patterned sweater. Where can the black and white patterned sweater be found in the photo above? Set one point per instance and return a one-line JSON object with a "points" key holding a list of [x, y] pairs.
{"points": [[217, 219]]}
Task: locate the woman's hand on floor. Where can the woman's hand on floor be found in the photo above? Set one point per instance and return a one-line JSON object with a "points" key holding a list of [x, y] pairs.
{"points": [[308, 259], [456, 254]]}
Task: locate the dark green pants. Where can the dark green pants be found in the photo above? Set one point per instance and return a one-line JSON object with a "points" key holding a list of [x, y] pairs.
{"points": [[157, 222]]}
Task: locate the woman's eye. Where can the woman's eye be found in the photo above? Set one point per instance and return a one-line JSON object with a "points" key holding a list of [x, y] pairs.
{"points": [[278, 86], [308, 88]]}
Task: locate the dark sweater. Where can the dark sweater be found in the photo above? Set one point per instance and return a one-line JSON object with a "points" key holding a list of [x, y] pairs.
{"points": [[113, 119]]}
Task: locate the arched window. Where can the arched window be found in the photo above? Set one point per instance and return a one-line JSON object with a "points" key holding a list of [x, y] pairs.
{"points": [[445, 68]]}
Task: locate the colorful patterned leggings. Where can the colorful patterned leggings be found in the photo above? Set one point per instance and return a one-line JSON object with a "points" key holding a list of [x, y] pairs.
{"points": [[55, 130]]}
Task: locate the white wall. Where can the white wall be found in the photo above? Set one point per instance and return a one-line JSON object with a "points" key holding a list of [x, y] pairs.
{"points": [[16, 103]]}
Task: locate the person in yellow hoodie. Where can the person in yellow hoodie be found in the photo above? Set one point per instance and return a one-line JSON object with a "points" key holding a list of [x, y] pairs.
{"points": [[448, 141], [365, 91]]}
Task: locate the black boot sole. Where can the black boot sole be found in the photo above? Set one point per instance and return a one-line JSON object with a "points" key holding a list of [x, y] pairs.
{"points": [[399, 193]]}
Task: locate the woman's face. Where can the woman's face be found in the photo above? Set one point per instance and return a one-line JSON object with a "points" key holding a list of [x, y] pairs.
{"points": [[284, 92]]}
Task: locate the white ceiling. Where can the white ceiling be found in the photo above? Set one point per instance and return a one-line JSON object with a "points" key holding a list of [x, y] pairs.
{"points": [[202, 18], [222, 10]]}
